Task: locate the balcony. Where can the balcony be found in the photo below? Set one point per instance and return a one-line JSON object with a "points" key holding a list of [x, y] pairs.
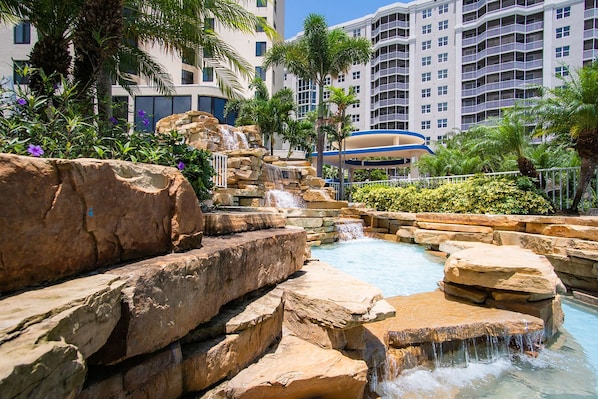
{"points": [[390, 86], [591, 13], [590, 54], [590, 34], [391, 71], [390, 118], [390, 102], [505, 48], [488, 105], [390, 25], [503, 30], [391, 56], [502, 67], [504, 85]]}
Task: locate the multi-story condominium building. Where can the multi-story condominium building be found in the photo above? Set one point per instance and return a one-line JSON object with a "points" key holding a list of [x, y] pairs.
{"points": [[440, 65], [194, 88]]}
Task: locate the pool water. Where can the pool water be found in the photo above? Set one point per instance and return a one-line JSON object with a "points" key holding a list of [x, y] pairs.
{"points": [[566, 368]]}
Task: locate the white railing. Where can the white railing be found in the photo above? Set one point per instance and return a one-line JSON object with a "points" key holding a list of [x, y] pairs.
{"points": [[559, 184], [219, 164]]}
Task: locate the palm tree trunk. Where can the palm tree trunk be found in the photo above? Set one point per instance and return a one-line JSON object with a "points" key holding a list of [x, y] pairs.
{"points": [[104, 93], [588, 168], [319, 123], [341, 176]]}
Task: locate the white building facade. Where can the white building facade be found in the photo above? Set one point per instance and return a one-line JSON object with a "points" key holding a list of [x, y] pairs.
{"points": [[195, 88], [443, 65]]}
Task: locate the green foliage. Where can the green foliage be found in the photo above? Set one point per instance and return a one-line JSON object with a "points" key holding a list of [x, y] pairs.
{"points": [[370, 175], [55, 125], [476, 195]]}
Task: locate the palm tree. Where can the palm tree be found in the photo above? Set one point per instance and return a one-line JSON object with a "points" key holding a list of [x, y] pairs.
{"points": [[299, 134], [342, 100], [319, 53], [572, 110], [271, 114]]}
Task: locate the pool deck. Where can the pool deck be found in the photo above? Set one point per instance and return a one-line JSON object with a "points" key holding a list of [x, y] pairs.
{"points": [[431, 317]]}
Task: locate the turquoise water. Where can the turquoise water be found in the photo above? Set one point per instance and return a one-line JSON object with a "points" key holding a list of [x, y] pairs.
{"points": [[567, 368]]}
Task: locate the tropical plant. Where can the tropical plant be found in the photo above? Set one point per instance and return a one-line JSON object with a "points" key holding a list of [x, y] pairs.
{"points": [[319, 53], [300, 135], [572, 110], [342, 124], [271, 114]]}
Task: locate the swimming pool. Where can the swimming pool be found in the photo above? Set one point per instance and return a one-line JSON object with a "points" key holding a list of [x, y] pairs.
{"points": [[567, 368]]}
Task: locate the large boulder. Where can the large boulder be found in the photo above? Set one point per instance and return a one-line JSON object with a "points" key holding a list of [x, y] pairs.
{"points": [[62, 217]]}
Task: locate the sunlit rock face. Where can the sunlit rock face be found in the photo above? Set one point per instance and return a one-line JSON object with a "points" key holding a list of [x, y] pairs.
{"points": [[62, 217]]}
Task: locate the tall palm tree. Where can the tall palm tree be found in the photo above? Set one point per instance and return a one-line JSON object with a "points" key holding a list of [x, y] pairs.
{"points": [[320, 52], [342, 100], [299, 133], [271, 114], [572, 109]]}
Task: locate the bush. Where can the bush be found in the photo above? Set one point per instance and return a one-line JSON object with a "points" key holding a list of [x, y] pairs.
{"points": [[477, 195], [57, 126]]}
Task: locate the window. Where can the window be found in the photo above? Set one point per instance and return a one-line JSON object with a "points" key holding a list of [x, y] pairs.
{"points": [[442, 90], [426, 109], [427, 60], [426, 93], [426, 29], [259, 27], [356, 75], [208, 74], [262, 3], [427, 13], [355, 118], [561, 71], [150, 109], [341, 78], [215, 106], [443, 25], [22, 33], [426, 76], [426, 44], [427, 140], [208, 24], [326, 95], [443, 9], [356, 32], [563, 12], [260, 49], [442, 123], [562, 32], [260, 72], [357, 89], [442, 106], [186, 77], [562, 51], [425, 125], [443, 41], [327, 81], [443, 74], [442, 57], [17, 72], [356, 105]]}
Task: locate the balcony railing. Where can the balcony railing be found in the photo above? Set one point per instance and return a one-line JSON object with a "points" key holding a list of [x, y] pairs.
{"points": [[219, 164]]}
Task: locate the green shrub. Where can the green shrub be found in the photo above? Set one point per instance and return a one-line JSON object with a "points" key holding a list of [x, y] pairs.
{"points": [[57, 126], [476, 195]]}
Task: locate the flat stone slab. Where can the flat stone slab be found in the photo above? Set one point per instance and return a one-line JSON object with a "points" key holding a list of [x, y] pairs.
{"points": [[325, 295], [436, 237], [220, 223], [451, 247], [502, 267], [464, 228], [297, 370], [430, 317], [500, 222]]}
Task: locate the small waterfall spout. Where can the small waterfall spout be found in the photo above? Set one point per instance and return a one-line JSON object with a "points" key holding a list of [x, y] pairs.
{"points": [[349, 229], [278, 196], [232, 140]]}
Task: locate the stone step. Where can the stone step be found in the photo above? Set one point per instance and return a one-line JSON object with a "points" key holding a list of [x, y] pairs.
{"points": [[297, 370], [221, 223]]}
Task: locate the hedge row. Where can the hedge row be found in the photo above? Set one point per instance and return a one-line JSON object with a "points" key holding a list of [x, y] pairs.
{"points": [[476, 195]]}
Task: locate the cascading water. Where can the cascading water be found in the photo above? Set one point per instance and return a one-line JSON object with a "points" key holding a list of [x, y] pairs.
{"points": [[277, 196], [232, 140], [349, 230]]}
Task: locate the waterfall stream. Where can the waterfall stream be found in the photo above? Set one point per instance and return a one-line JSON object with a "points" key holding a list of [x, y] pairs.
{"points": [[348, 231], [278, 196]]}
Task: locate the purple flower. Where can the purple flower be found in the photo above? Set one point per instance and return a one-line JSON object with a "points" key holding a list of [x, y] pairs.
{"points": [[21, 101], [141, 113], [114, 120], [145, 121], [181, 165], [35, 150]]}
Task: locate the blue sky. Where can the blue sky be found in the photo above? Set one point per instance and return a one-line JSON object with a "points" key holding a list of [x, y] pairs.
{"points": [[335, 11]]}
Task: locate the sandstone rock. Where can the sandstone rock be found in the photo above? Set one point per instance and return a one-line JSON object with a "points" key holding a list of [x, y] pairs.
{"points": [[539, 244], [451, 247], [171, 295], [85, 214], [316, 196], [46, 335], [297, 370], [309, 213], [498, 222], [436, 237], [327, 204], [464, 228], [572, 231], [305, 222], [345, 304], [521, 270], [250, 326], [314, 182], [430, 317], [469, 294], [406, 233], [218, 223]]}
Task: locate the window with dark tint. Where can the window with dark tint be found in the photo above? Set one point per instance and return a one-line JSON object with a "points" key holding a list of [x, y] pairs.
{"points": [[208, 74], [22, 33], [259, 26], [260, 49], [150, 109], [215, 106], [262, 3], [260, 73], [186, 77]]}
